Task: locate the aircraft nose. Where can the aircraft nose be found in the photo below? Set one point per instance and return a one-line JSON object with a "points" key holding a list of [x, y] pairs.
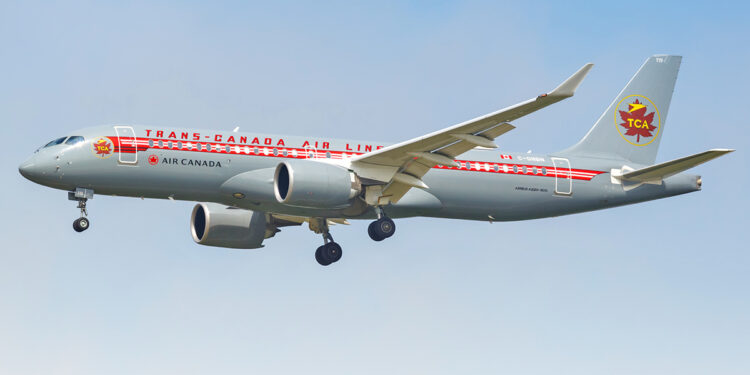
{"points": [[30, 169], [25, 169]]}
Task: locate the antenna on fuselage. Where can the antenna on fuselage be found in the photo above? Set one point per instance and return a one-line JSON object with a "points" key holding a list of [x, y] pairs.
{"points": [[236, 128]]}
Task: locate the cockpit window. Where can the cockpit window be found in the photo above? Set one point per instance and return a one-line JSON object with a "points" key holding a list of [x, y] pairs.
{"points": [[73, 140], [56, 142]]}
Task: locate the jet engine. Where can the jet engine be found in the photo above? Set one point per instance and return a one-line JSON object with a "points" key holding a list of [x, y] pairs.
{"points": [[214, 224], [315, 184]]}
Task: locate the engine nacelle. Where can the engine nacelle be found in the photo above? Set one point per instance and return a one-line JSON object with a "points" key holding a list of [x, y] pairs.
{"points": [[314, 184], [214, 224]]}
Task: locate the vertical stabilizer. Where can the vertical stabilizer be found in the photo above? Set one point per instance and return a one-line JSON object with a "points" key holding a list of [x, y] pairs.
{"points": [[632, 126]]}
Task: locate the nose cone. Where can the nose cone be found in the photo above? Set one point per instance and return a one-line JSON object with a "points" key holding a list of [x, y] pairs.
{"points": [[31, 170]]}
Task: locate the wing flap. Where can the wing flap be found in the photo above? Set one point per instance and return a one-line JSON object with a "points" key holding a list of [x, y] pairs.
{"points": [[281, 220]]}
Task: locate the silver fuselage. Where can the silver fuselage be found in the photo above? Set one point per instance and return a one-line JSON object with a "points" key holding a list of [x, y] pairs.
{"points": [[490, 185]]}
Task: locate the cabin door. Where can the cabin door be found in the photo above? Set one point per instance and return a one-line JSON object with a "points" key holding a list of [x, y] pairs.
{"points": [[563, 180], [128, 150]]}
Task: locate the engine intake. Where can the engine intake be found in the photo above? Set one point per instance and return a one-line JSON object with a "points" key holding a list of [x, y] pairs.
{"points": [[214, 224], [315, 184]]}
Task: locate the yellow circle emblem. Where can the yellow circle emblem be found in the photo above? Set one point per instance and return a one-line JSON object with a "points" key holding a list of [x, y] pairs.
{"points": [[637, 120], [103, 147]]}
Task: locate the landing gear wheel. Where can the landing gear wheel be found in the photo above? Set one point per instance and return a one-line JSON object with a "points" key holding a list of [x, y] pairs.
{"points": [[371, 232], [381, 229], [328, 254], [319, 257], [332, 251], [81, 224]]}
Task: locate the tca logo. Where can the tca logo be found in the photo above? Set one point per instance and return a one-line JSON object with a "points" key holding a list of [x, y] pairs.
{"points": [[635, 121]]}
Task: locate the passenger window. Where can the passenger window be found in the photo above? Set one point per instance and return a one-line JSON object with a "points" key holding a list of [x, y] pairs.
{"points": [[74, 140]]}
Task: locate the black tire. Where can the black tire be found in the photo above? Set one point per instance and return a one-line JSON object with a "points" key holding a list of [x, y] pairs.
{"points": [[371, 232], [319, 257], [332, 251], [81, 224], [384, 227]]}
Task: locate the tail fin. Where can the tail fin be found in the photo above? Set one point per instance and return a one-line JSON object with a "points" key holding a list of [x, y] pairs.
{"points": [[632, 126]]}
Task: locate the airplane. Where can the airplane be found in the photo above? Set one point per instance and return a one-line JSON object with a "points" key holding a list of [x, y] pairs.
{"points": [[250, 185]]}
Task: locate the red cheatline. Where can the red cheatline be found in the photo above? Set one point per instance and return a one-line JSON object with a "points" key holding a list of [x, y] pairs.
{"points": [[302, 153]]}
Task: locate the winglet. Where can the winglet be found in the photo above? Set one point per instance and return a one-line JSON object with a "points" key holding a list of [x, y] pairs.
{"points": [[568, 88]]}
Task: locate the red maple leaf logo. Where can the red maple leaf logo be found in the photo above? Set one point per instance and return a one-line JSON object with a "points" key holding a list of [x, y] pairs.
{"points": [[153, 159], [637, 122], [102, 147]]}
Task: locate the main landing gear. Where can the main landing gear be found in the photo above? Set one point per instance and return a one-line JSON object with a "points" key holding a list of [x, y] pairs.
{"points": [[330, 252], [81, 195], [381, 228]]}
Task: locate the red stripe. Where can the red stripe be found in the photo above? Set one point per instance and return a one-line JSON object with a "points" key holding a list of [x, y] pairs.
{"points": [[129, 146]]}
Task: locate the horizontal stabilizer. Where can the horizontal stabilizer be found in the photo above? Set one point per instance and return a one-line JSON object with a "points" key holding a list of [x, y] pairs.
{"points": [[661, 171]]}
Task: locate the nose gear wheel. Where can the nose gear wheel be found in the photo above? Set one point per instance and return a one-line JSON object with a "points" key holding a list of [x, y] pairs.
{"points": [[81, 224]]}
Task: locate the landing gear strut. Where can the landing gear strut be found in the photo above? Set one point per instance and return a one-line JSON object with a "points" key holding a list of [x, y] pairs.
{"points": [[330, 252], [81, 195], [381, 228]]}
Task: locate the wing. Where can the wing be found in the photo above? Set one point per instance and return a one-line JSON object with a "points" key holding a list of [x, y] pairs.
{"points": [[402, 166]]}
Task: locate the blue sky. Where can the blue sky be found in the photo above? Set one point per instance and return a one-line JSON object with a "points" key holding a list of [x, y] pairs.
{"points": [[661, 287]]}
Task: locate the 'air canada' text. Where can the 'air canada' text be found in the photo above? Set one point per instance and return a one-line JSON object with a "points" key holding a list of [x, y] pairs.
{"points": [[192, 162]]}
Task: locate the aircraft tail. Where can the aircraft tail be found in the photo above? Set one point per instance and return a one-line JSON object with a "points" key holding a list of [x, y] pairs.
{"points": [[632, 126]]}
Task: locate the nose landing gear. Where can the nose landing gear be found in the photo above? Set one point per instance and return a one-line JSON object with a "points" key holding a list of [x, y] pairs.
{"points": [[81, 195]]}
